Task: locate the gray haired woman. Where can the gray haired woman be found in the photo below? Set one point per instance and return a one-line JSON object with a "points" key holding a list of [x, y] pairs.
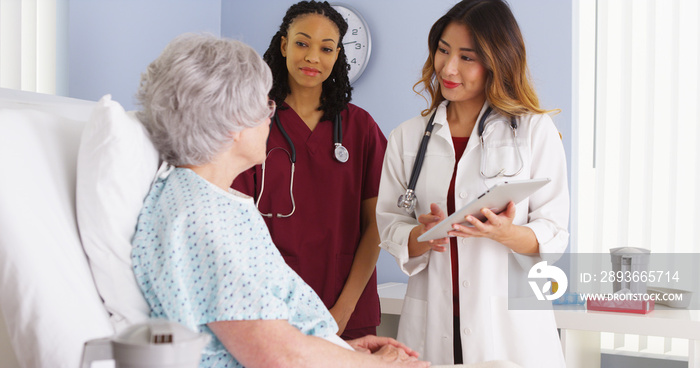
{"points": [[202, 255]]}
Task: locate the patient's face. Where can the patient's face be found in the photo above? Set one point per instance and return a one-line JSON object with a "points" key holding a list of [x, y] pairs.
{"points": [[254, 142]]}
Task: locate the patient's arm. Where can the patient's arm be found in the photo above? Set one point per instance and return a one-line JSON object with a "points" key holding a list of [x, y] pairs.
{"points": [[276, 343]]}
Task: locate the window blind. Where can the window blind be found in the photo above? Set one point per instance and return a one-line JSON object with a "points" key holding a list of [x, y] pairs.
{"points": [[639, 157], [28, 45], [637, 145]]}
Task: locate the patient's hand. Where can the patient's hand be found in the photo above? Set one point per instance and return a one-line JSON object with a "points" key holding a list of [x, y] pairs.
{"points": [[390, 353], [372, 344]]}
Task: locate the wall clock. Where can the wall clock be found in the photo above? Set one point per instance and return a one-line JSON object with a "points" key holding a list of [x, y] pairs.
{"points": [[357, 41]]}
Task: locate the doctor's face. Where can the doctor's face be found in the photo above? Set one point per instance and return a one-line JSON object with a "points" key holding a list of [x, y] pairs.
{"points": [[459, 71], [311, 49]]}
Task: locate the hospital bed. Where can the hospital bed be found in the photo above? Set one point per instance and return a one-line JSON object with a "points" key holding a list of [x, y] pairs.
{"points": [[48, 292], [54, 254]]}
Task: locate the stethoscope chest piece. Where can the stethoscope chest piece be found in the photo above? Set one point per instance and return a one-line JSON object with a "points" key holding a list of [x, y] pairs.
{"points": [[341, 153], [407, 201]]}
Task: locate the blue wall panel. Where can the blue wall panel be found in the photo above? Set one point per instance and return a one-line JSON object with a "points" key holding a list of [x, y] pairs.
{"points": [[399, 37], [111, 42]]}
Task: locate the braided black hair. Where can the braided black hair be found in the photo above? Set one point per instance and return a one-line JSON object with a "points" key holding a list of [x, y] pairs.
{"points": [[337, 91]]}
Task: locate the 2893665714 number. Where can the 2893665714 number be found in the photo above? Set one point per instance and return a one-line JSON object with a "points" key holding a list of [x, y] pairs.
{"points": [[639, 276]]}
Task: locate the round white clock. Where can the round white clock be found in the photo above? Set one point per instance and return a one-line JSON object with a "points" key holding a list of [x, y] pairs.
{"points": [[357, 41]]}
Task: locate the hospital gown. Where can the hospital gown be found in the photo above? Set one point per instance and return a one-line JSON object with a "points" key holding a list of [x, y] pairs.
{"points": [[201, 254]]}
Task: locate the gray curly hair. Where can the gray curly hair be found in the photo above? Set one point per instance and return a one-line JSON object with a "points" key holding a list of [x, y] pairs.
{"points": [[199, 90]]}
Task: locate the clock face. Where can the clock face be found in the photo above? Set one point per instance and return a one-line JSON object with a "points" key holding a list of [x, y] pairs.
{"points": [[357, 41]]}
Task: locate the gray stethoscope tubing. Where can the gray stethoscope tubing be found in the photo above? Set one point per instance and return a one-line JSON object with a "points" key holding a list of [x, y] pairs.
{"points": [[292, 159], [340, 153], [514, 130], [407, 200]]}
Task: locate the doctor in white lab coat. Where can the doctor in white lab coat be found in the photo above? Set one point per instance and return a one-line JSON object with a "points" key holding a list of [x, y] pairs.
{"points": [[467, 78]]}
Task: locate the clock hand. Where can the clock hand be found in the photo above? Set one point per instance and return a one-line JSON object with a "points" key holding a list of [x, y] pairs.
{"points": [[347, 43]]}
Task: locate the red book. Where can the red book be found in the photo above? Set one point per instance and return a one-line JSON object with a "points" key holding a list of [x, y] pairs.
{"points": [[625, 306]]}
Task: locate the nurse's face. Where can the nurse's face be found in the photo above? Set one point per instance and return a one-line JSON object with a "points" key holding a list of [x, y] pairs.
{"points": [[311, 49], [459, 71]]}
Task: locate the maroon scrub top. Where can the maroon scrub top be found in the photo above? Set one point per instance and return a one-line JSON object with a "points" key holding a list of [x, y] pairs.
{"points": [[320, 239]]}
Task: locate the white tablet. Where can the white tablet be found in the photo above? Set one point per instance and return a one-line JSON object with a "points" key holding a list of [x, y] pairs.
{"points": [[495, 198]]}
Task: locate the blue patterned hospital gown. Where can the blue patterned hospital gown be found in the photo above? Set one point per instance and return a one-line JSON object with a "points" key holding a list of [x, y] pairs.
{"points": [[202, 254]]}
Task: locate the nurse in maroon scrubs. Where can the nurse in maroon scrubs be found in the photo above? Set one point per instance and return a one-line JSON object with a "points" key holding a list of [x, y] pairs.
{"points": [[318, 186]]}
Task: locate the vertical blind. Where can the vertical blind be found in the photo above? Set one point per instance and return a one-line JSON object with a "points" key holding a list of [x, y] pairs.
{"points": [[637, 143], [28, 45], [639, 151]]}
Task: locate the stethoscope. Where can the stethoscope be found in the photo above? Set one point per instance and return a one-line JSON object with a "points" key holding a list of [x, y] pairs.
{"points": [[407, 200], [340, 153]]}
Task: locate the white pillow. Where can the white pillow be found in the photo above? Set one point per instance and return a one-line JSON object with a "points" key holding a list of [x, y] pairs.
{"points": [[47, 295], [116, 165]]}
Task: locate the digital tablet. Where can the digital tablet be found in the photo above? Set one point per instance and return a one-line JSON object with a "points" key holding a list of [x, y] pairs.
{"points": [[495, 198]]}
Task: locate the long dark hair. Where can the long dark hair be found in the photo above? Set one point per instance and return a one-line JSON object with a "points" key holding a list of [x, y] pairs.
{"points": [[337, 91], [501, 49]]}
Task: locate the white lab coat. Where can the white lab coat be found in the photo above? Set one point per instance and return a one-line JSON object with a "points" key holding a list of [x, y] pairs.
{"points": [[489, 330]]}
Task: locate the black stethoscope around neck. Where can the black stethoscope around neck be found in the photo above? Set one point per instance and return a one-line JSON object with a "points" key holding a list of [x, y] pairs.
{"points": [[340, 153], [408, 200]]}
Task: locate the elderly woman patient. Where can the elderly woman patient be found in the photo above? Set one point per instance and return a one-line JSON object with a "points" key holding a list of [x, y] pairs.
{"points": [[202, 254]]}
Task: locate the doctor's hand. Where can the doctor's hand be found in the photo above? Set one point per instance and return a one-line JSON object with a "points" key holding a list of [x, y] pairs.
{"points": [[499, 227], [496, 227], [426, 222]]}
